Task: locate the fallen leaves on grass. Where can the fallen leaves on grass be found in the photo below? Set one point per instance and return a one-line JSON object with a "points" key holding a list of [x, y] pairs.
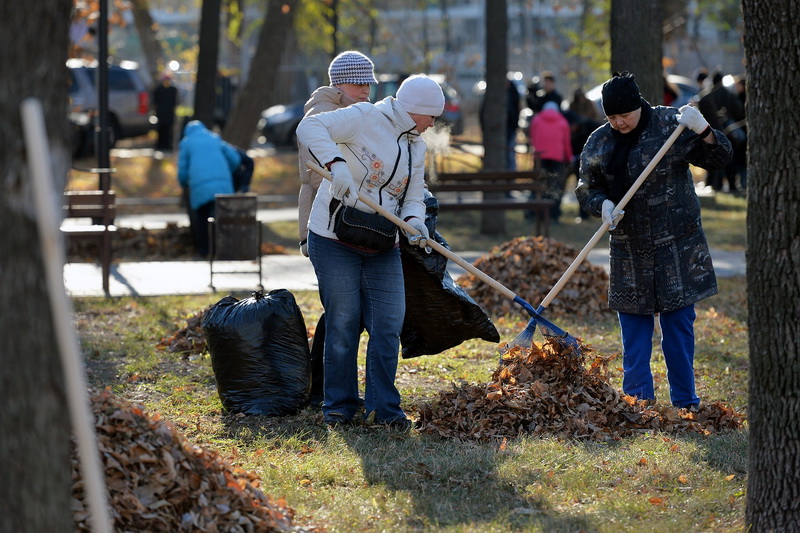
{"points": [[168, 244], [541, 391], [188, 340], [531, 266], [172, 243], [158, 481]]}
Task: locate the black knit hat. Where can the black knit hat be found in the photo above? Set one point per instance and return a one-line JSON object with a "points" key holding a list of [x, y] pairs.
{"points": [[621, 94]]}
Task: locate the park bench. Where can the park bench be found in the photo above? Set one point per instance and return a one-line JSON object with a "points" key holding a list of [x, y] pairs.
{"points": [[99, 208], [464, 191]]}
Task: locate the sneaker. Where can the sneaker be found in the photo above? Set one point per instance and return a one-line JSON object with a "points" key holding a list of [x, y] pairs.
{"points": [[334, 418]]}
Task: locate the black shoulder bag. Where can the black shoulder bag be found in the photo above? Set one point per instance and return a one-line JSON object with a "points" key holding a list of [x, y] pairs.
{"points": [[368, 230]]}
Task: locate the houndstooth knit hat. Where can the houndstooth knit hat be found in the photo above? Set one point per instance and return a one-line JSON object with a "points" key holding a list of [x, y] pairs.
{"points": [[352, 67]]}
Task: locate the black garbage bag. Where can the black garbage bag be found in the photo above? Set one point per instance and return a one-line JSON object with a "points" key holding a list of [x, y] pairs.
{"points": [[259, 353], [439, 313]]}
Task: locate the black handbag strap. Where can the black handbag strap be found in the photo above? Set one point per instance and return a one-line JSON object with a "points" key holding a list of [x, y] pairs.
{"points": [[334, 203]]}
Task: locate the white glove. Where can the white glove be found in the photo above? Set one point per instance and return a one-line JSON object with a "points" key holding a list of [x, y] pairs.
{"points": [[421, 237], [342, 183], [692, 118], [607, 210], [304, 248]]}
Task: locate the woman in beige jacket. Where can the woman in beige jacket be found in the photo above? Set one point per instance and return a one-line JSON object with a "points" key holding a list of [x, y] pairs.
{"points": [[351, 73]]}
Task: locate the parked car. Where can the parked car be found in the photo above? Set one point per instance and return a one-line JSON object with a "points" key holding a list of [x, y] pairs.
{"points": [[128, 97], [279, 123]]}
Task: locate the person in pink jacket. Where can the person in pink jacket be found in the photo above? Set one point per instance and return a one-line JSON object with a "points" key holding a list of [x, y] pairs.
{"points": [[550, 140]]}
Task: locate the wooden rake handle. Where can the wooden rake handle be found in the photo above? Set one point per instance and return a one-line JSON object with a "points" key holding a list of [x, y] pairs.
{"points": [[619, 207], [405, 226]]}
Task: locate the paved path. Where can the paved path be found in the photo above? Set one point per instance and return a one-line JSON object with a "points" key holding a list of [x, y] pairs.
{"points": [[292, 272]]}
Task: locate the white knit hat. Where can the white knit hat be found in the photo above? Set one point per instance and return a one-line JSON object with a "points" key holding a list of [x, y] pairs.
{"points": [[352, 67], [421, 95]]}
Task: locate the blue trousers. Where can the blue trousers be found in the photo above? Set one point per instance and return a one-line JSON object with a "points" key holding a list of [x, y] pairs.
{"points": [[677, 343], [360, 289]]}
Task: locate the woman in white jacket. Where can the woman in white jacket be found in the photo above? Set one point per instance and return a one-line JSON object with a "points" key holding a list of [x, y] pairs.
{"points": [[373, 150]]}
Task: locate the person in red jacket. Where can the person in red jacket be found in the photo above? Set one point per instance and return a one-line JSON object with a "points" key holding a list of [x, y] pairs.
{"points": [[551, 141]]}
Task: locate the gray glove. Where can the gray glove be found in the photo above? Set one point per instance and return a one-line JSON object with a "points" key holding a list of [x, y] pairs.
{"points": [[607, 212], [342, 186], [420, 238], [304, 247], [692, 118]]}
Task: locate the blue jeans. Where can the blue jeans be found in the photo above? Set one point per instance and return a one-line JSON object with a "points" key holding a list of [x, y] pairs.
{"points": [[677, 343], [356, 287]]}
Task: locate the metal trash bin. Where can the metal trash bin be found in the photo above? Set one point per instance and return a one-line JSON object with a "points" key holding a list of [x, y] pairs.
{"points": [[234, 232]]}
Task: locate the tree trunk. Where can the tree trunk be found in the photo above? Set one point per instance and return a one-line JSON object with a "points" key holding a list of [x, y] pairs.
{"points": [[636, 44], [35, 442], [772, 52], [151, 47], [259, 90], [206, 86], [494, 106]]}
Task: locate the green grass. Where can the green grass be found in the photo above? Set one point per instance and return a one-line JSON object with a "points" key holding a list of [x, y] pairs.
{"points": [[366, 479], [376, 480], [725, 221]]}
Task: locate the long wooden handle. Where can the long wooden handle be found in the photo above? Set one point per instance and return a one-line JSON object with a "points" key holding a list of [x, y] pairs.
{"points": [[405, 226], [78, 404], [619, 207]]}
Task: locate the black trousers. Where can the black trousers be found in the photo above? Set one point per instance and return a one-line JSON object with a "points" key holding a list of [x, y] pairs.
{"points": [[199, 223]]}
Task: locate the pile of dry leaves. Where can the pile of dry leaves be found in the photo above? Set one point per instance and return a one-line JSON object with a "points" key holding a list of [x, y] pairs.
{"points": [[543, 391], [158, 481], [531, 266], [173, 243], [189, 339]]}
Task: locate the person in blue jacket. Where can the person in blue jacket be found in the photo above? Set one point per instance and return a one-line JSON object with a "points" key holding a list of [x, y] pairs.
{"points": [[205, 167]]}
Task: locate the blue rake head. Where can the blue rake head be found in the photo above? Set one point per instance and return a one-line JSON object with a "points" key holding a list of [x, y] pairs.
{"points": [[549, 330]]}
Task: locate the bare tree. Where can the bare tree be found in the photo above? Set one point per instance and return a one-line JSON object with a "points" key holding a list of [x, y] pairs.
{"points": [[772, 52], [258, 92], [493, 111], [35, 446], [636, 44], [207, 57]]}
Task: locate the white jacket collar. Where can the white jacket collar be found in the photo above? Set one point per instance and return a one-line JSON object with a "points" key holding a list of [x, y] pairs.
{"points": [[395, 112]]}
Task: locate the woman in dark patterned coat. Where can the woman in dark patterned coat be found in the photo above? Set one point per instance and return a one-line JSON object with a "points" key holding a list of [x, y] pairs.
{"points": [[660, 262]]}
